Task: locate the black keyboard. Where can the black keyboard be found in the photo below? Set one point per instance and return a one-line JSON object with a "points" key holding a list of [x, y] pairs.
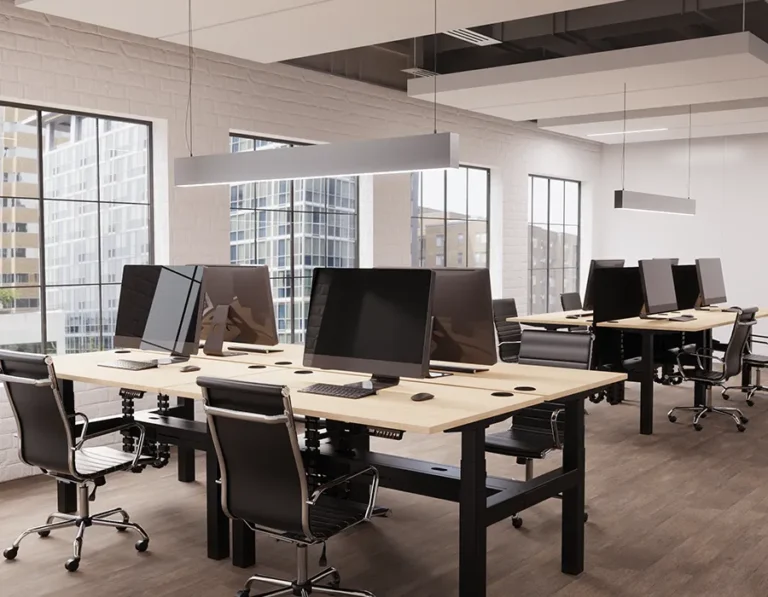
{"points": [[327, 389], [130, 365]]}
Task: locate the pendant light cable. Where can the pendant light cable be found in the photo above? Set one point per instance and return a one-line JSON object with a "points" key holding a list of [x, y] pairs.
{"points": [[190, 56], [744, 15], [434, 66], [690, 140], [624, 141]]}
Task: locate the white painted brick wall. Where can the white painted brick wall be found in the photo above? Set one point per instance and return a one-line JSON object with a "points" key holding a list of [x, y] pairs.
{"points": [[60, 63]]}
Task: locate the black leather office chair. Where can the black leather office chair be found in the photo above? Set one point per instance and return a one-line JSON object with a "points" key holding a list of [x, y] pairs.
{"points": [[571, 301], [690, 362], [758, 362], [509, 332], [264, 483], [46, 440], [538, 430]]}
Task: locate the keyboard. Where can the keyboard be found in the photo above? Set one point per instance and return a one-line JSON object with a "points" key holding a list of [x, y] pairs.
{"points": [[327, 389], [130, 365]]}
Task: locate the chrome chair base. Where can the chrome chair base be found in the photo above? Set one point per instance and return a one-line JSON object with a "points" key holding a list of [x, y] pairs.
{"points": [[81, 521], [700, 412], [303, 586]]}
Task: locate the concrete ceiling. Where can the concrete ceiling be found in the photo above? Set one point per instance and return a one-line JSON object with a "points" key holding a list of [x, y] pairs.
{"points": [[277, 30]]}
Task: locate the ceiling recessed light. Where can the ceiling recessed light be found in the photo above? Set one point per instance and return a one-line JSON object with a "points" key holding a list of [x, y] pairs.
{"points": [[419, 72], [473, 37], [628, 132]]}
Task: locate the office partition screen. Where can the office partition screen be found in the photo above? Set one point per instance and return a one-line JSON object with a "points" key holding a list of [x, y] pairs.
{"points": [[554, 239], [293, 226], [449, 223], [75, 207]]}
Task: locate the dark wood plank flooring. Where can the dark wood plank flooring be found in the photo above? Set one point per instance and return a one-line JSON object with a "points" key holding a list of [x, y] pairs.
{"points": [[680, 513]]}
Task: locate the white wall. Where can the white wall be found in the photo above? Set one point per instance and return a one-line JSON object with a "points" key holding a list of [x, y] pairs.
{"points": [[58, 63], [729, 182]]}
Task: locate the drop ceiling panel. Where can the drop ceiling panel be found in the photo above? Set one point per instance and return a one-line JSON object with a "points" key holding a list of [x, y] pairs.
{"points": [[275, 30]]}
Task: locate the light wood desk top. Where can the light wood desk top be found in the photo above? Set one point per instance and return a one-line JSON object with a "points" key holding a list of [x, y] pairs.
{"points": [[559, 318], [703, 320], [459, 399]]}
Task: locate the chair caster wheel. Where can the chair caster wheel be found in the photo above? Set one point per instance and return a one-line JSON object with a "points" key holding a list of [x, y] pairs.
{"points": [[10, 553], [672, 418], [122, 530], [243, 593], [698, 427], [744, 420], [44, 534], [142, 545], [703, 415], [741, 428], [586, 516], [72, 564], [726, 396], [517, 522], [335, 581], [750, 402]]}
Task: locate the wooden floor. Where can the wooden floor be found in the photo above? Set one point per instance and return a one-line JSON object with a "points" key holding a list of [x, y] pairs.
{"points": [[680, 513]]}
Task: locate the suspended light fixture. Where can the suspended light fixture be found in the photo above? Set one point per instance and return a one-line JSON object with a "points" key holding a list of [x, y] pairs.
{"points": [[650, 202], [436, 151]]}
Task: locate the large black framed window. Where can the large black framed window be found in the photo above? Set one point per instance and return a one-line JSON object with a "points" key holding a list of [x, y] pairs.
{"points": [[449, 217], [293, 226], [75, 207], [554, 240]]}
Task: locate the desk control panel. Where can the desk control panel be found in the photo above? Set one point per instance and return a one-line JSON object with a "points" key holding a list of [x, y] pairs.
{"points": [[385, 433]]}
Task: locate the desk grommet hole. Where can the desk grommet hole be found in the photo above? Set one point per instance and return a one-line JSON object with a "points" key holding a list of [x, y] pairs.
{"points": [[154, 418], [122, 351], [439, 469], [303, 372], [283, 363], [257, 366], [525, 389], [502, 394]]}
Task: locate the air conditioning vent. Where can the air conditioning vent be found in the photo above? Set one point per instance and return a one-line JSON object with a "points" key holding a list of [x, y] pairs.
{"points": [[472, 37], [419, 72]]}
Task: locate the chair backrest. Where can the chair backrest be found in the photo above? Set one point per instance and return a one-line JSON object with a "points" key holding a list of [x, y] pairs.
{"points": [[509, 332], [262, 474], [571, 301], [737, 345], [45, 431], [556, 349]]}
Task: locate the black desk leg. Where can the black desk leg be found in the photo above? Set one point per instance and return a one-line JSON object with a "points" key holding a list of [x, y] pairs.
{"points": [[472, 505], [243, 545], [218, 523], [646, 386], [186, 456], [67, 492], [699, 389], [573, 499]]}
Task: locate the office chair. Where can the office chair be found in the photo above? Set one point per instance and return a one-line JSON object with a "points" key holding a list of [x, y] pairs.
{"points": [[46, 441], [758, 362], [571, 301], [538, 430], [264, 483], [509, 332], [731, 366]]}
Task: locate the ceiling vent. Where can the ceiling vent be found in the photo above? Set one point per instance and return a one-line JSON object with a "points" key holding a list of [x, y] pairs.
{"points": [[472, 37], [419, 72]]}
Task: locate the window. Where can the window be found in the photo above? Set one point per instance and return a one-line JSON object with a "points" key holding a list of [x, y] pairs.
{"points": [[450, 218], [89, 213], [292, 226], [554, 233]]}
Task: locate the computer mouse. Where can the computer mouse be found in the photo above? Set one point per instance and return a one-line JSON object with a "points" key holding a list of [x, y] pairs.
{"points": [[189, 368], [421, 397]]}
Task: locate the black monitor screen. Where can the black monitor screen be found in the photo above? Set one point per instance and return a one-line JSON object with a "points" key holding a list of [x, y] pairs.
{"points": [[245, 292], [375, 321], [463, 329], [589, 295], [686, 285], [658, 286], [711, 281], [159, 308]]}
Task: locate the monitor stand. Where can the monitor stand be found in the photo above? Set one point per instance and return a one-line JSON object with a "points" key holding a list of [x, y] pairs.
{"points": [[376, 383], [457, 369], [214, 344]]}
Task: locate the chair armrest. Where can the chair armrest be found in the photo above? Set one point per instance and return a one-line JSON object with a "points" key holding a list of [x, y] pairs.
{"points": [[344, 479], [84, 437], [699, 354], [510, 342], [83, 433], [553, 426]]}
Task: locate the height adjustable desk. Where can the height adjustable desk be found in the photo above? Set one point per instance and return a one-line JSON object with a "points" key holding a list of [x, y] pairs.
{"points": [[463, 404]]}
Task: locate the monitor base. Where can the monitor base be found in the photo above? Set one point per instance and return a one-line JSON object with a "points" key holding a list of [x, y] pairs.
{"points": [[457, 369], [376, 383]]}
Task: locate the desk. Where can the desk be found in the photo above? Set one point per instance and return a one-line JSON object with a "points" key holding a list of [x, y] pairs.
{"points": [[558, 319], [462, 404]]}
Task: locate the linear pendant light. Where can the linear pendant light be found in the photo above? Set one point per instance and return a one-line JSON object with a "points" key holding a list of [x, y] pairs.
{"points": [[436, 151], [374, 156]]}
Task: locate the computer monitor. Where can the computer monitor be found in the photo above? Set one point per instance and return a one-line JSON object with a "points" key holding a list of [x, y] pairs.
{"points": [[711, 282], [589, 299], [686, 285], [376, 321], [658, 286], [160, 308], [463, 329], [673, 261], [237, 307]]}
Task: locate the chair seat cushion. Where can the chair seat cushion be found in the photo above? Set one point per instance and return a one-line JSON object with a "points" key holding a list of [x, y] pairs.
{"points": [[330, 516], [521, 443], [99, 461], [756, 360], [702, 375]]}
